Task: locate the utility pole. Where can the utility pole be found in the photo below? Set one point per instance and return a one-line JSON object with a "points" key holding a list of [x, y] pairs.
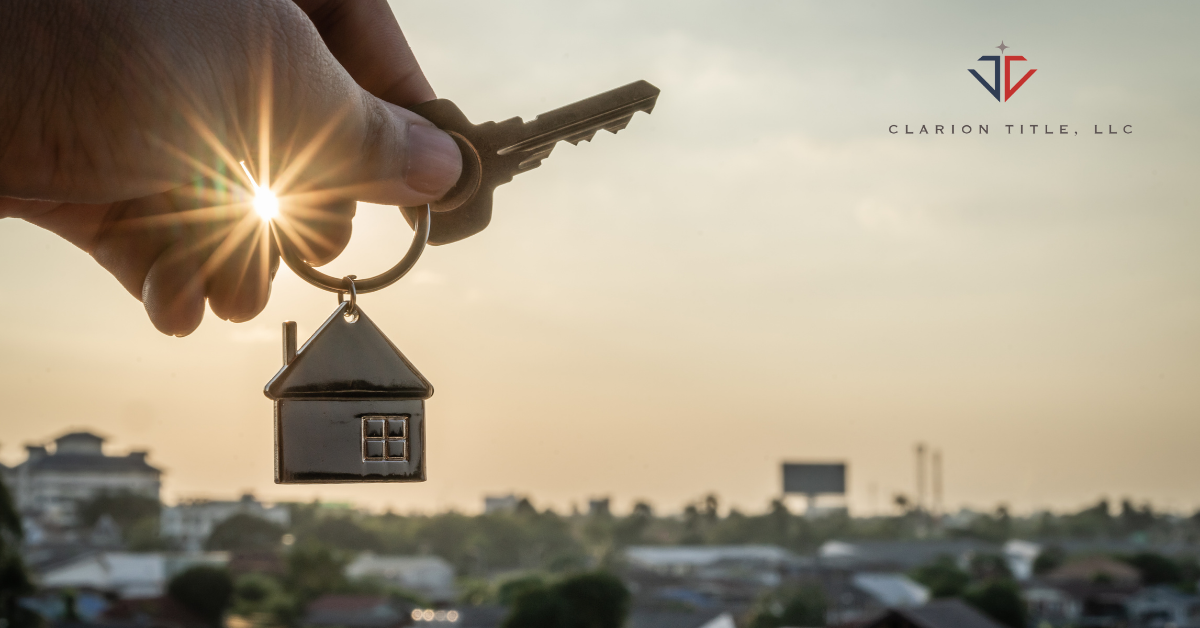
{"points": [[920, 477], [937, 483]]}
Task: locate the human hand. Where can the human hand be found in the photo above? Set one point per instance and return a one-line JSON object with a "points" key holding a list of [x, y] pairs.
{"points": [[122, 125]]}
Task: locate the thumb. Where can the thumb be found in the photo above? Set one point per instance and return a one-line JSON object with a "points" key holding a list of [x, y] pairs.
{"points": [[405, 160]]}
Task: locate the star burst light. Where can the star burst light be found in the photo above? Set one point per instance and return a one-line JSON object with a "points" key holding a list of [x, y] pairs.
{"points": [[244, 215], [266, 204]]}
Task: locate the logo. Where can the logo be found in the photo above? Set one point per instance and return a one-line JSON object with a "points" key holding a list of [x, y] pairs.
{"points": [[994, 88]]}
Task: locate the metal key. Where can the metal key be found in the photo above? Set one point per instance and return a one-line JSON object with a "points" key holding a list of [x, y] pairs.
{"points": [[494, 152]]}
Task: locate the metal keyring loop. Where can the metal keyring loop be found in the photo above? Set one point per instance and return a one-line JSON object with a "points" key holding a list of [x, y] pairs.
{"points": [[357, 286], [353, 290]]}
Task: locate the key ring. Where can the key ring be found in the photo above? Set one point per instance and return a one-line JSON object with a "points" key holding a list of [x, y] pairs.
{"points": [[353, 290], [357, 286]]}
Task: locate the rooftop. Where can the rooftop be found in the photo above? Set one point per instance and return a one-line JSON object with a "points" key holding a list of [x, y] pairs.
{"points": [[950, 613], [349, 359], [82, 452]]}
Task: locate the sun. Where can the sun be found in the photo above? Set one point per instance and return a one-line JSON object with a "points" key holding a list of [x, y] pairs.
{"points": [[266, 204]]}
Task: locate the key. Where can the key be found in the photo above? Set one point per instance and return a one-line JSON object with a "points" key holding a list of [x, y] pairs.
{"points": [[495, 152]]}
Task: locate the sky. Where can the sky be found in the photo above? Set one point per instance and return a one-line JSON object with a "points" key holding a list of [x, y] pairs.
{"points": [[757, 272]]}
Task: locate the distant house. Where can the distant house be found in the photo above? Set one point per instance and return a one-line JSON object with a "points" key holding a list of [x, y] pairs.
{"points": [[886, 556], [680, 619], [709, 577], [712, 560], [1093, 590], [1164, 606], [429, 576], [49, 485], [936, 614], [892, 590], [356, 611], [1051, 605], [1020, 556], [126, 575], [854, 597], [1095, 569], [500, 503], [156, 612], [190, 523]]}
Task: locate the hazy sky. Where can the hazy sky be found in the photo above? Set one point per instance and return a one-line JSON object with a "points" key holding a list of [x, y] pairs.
{"points": [[758, 271]]}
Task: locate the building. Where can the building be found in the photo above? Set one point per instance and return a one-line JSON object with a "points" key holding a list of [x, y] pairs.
{"points": [[680, 619], [190, 523], [713, 561], [892, 590], [125, 575], [357, 611], [1089, 591], [50, 484], [709, 578], [899, 556], [500, 503], [937, 614], [599, 507], [429, 576], [854, 597], [1164, 606], [1051, 606]]}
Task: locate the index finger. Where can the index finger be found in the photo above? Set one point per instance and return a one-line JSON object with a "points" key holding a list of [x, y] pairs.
{"points": [[366, 39]]}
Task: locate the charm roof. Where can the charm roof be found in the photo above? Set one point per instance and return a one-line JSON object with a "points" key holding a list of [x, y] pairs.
{"points": [[349, 360]]}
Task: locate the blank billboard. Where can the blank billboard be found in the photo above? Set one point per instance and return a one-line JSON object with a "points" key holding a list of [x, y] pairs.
{"points": [[809, 479]]}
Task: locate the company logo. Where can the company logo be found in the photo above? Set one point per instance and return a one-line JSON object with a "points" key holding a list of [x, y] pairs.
{"points": [[994, 88]]}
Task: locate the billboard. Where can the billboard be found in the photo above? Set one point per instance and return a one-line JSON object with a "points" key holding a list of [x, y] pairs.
{"points": [[811, 479]]}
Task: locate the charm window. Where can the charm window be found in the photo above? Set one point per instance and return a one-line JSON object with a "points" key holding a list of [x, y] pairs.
{"points": [[385, 437]]}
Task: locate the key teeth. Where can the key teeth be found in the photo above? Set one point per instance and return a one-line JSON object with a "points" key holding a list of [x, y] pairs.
{"points": [[582, 137], [618, 125], [612, 127]]}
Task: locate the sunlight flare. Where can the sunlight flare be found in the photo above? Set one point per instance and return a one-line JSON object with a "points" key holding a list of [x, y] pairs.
{"points": [[266, 205]]}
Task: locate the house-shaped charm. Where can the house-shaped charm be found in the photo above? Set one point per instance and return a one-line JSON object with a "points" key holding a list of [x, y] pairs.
{"points": [[349, 407]]}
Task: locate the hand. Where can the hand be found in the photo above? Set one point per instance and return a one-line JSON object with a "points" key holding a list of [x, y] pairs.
{"points": [[122, 125]]}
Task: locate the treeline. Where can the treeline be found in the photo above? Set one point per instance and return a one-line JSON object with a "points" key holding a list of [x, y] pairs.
{"points": [[529, 538], [1101, 521]]}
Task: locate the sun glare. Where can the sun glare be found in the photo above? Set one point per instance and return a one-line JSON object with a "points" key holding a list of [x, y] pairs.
{"points": [[266, 205]]}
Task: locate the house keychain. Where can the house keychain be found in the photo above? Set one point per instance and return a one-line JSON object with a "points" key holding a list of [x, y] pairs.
{"points": [[349, 407]]}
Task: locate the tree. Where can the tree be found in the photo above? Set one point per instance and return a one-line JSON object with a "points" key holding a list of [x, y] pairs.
{"points": [[345, 533], [796, 607], [509, 590], [14, 578], [243, 532], [1000, 600], [692, 526], [312, 570], [590, 600], [989, 567], [204, 590], [629, 531], [126, 509], [260, 594], [943, 577], [1156, 568], [1133, 519], [1049, 559], [594, 600], [1091, 522]]}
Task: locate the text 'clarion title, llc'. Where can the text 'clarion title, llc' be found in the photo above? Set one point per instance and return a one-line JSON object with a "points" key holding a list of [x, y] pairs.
{"points": [[1013, 129]]}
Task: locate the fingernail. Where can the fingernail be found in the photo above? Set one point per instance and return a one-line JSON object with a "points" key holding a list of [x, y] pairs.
{"points": [[434, 162]]}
